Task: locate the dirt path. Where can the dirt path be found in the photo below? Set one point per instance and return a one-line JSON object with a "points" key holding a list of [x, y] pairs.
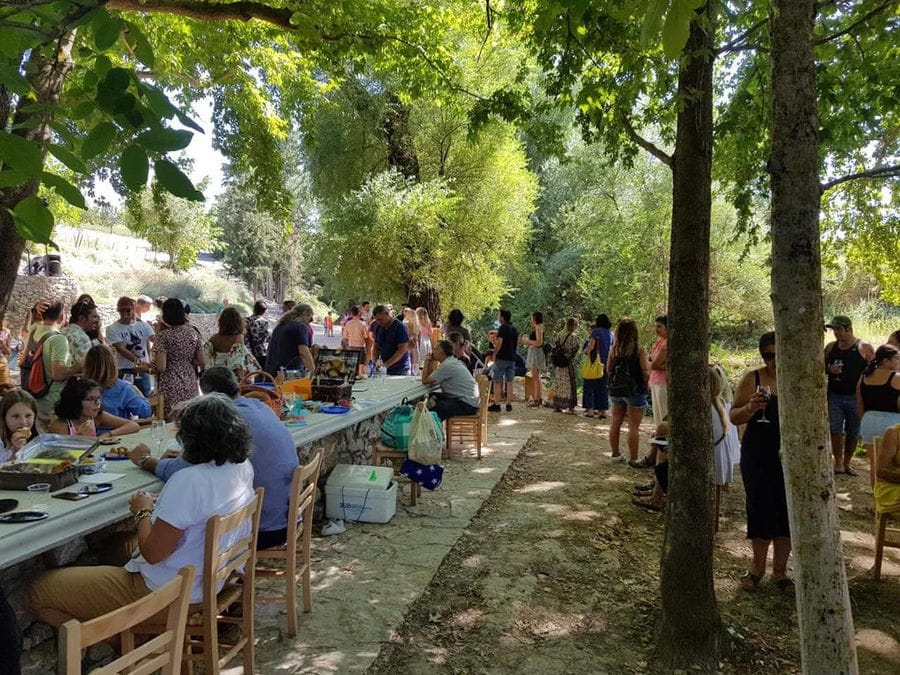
{"points": [[558, 573]]}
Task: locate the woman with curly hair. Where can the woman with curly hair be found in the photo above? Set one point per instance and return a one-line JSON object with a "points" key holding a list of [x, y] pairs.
{"points": [[79, 412], [227, 347], [171, 532]]}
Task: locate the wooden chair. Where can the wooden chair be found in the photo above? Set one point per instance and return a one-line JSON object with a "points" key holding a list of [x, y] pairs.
{"points": [[157, 410], [235, 565], [163, 652], [473, 427], [302, 502], [380, 453], [885, 536]]}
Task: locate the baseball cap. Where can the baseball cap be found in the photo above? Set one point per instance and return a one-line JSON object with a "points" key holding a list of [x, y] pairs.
{"points": [[125, 303], [840, 321]]}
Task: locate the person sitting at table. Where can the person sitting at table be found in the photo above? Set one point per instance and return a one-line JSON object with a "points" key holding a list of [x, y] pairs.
{"points": [[459, 392], [120, 398], [273, 456], [217, 481], [79, 412], [18, 415], [391, 341]]}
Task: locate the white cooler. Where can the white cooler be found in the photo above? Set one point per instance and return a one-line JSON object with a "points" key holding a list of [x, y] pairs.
{"points": [[361, 493]]}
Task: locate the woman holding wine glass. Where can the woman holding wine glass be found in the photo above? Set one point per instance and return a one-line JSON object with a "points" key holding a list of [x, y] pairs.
{"points": [[756, 405]]}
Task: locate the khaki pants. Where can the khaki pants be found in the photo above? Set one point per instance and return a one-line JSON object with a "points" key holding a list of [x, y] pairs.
{"points": [[83, 593], [660, 402]]}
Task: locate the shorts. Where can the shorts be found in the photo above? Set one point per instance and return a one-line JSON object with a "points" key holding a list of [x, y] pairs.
{"points": [[842, 415], [636, 401], [875, 423], [504, 371]]}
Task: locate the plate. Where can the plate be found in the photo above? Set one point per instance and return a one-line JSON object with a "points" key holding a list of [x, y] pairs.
{"points": [[295, 423], [114, 458], [112, 440], [334, 410], [95, 488], [22, 516]]}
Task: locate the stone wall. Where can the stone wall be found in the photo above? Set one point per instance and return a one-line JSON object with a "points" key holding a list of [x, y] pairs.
{"points": [[350, 446], [29, 290]]}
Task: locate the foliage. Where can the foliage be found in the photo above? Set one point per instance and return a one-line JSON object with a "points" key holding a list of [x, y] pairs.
{"points": [[178, 227]]}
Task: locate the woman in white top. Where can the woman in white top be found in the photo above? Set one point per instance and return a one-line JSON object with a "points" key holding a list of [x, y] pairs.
{"points": [[727, 445], [216, 443]]}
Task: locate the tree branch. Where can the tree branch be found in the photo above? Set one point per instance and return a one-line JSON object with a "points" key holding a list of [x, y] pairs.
{"points": [[645, 144], [871, 174], [736, 44], [849, 29], [210, 11]]}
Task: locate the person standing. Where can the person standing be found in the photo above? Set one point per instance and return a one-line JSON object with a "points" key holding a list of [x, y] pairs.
{"points": [[129, 338], [5, 350], [257, 335], [535, 359], [659, 357], [55, 360], [82, 333], [391, 342], [290, 342], [566, 354], [504, 367], [845, 360], [629, 373], [596, 393], [177, 354]]}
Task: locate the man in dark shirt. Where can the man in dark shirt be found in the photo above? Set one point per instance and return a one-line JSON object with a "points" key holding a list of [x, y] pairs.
{"points": [[391, 342], [504, 371], [290, 342], [845, 360]]}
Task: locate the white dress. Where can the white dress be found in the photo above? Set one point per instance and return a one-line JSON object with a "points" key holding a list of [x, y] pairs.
{"points": [[726, 449]]}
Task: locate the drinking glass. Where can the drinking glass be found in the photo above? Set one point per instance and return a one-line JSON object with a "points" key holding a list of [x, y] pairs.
{"points": [[839, 364], [158, 433], [766, 392], [290, 398]]}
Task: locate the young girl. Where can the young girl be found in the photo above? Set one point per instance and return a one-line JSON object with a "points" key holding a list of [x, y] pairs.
{"points": [[18, 411], [79, 412]]}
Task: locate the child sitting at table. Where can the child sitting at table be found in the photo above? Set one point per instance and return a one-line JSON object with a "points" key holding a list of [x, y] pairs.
{"points": [[18, 412], [79, 412]]}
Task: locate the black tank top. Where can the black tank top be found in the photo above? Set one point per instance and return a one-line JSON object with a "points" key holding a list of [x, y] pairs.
{"points": [[853, 366], [881, 397]]}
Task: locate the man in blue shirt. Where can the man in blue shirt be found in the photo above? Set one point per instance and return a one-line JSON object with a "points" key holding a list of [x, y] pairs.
{"points": [[391, 342], [274, 456], [289, 345]]}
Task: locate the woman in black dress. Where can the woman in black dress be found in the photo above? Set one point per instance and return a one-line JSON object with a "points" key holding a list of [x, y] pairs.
{"points": [[756, 405]]}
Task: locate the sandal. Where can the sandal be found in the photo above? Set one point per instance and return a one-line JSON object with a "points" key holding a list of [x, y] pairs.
{"points": [[535, 403], [646, 504], [750, 581], [787, 587]]}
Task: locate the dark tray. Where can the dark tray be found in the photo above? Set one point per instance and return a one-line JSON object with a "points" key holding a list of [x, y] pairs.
{"points": [[37, 473], [331, 393]]}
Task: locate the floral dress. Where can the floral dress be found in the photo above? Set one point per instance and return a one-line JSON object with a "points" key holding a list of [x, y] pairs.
{"points": [[184, 351], [257, 337], [565, 394], [238, 359]]}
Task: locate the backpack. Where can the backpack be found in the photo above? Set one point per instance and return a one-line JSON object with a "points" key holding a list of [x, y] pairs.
{"points": [[395, 429], [559, 358], [621, 382], [34, 379]]}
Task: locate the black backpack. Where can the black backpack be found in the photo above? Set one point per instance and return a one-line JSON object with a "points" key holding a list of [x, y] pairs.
{"points": [[621, 382]]}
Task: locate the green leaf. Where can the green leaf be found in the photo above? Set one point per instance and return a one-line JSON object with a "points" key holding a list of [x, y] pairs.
{"points": [[142, 48], [157, 101], [64, 189], [12, 178], [98, 140], [107, 33], [116, 79], [173, 180], [677, 28], [21, 154], [34, 221], [652, 21], [67, 157], [188, 122], [82, 110], [163, 139], [13, 80], [134, 167]]}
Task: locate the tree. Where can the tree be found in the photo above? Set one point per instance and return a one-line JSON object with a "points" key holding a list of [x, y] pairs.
{"points": [[823, 602]]}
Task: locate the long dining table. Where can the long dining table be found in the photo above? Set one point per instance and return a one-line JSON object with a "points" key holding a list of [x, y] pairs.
{"points": [[68, 520]]}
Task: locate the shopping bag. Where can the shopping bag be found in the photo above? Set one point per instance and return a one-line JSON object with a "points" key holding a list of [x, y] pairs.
{"points": [[397, 425], [426, 437]]}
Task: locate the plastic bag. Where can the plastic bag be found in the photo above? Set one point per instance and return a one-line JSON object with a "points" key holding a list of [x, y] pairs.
{"points": [[426, 437], [397, 426]]}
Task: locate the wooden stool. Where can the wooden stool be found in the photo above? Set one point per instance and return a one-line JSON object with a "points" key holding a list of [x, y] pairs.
{"points": [[381, 452]]}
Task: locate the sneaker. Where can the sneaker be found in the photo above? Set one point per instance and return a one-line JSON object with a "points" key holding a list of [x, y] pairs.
{"points": [[622, 459], [642, 463], [333, 527], [494, 408]]}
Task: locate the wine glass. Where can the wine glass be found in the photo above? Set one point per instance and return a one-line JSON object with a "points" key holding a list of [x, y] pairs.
{"points": [[766, 392], [290, 398], [158, 434], [839, 365]]}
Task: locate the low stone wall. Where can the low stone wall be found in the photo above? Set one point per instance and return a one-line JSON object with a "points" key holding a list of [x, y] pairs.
{"points": [[350, 446], [30, 290]]}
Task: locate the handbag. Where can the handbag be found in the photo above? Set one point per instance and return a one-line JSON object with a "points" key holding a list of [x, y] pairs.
{"points": [[426, 437], [592, 369], [396, 428]]}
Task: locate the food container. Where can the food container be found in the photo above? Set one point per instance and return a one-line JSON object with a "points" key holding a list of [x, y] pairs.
{"points": [[20, 476], [335, 374]]}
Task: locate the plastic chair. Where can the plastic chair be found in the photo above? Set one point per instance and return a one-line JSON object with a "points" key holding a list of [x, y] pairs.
{"points": [[885, 536], [472, 427], [381, 452], [162, 653], [302, 502]]}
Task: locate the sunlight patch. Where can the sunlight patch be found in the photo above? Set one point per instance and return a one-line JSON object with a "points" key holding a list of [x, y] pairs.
{"points": [[467, 619], [880, 643], [544, 486]]}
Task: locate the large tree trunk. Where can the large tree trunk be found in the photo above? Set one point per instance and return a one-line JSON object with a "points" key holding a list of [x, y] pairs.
{"points": [[402, 153], [425, 296], [689, 628], [823, 603], [49, 69]]}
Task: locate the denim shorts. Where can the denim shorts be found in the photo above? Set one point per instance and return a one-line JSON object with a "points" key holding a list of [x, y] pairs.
{"points": [[842, 415], [636, 401], [504, 371]]}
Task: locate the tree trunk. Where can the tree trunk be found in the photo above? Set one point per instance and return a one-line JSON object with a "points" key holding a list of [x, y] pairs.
{"points": [[401, 148], [49, 72], [427, 297], [823, 602], [690, 626]]}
